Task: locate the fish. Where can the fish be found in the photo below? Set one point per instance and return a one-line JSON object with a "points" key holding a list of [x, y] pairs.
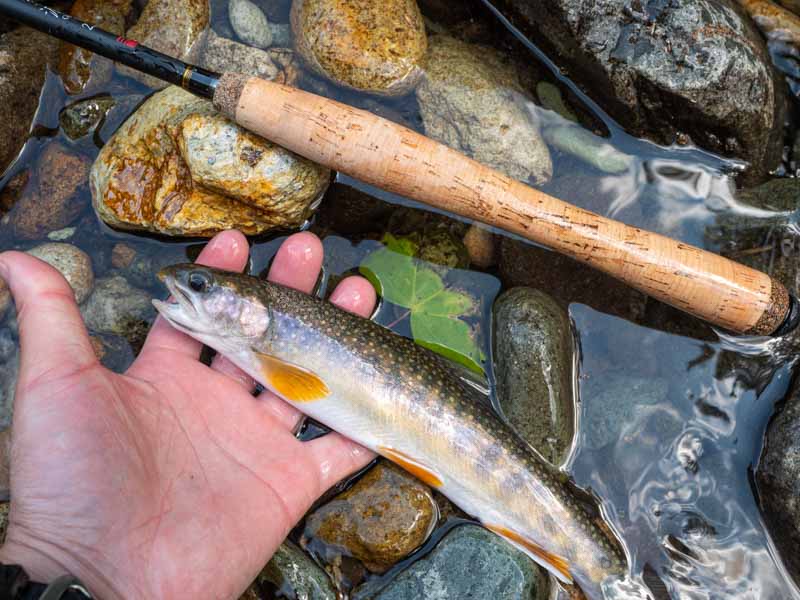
{"points": [[407, 404]]}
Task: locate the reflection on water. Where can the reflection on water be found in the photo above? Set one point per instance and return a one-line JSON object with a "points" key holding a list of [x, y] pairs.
{"points": [[675, 477]]}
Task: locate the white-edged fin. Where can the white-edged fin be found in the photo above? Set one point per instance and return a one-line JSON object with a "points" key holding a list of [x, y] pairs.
{"points": [[289, 381], [557, 565]]}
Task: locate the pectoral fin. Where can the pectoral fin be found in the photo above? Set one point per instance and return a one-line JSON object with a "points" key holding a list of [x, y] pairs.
{"points": [[557, 565], [290, 381], [422, 472]]}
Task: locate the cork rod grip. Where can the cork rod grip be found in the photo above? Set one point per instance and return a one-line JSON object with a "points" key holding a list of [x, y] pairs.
{"points": [[392, 157]]}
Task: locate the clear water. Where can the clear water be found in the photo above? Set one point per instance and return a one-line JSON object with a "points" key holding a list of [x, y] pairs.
{"points": [[675, 476]]}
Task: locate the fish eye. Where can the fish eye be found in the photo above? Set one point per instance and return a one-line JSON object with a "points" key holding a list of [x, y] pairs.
{"points": [[199, 281]]}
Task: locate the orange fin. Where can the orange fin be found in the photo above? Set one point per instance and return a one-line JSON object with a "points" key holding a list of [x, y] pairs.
{"points": [[417, 469], [559, 566], [292, 382]]}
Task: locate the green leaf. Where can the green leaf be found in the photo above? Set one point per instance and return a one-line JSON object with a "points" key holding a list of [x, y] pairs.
{"points": [[436, 311], [403, 245]]}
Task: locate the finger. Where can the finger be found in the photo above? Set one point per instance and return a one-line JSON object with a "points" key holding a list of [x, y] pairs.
{"points": [[221, 364], [298, 262], [336, 457], [53, 338], [353, 294], [227, 250]]}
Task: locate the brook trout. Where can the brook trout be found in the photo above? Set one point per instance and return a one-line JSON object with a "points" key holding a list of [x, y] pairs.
{"points": [[403, 402]]}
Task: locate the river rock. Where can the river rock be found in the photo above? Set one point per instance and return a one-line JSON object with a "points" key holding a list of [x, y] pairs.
{"points": [[533, 354], [82, 117], [471, 99], [80, 68], [50, 199], [276, 64], [5, 298], [9, 370], [72, 262], [249, 23], [281, 34], [384, 517], [778, 478], [479, 243], [567, 280], [178, 168], [24, 56], [174, 27], [116, 307], [292, 574], [665, 70], [373, 47], [469, 562]]}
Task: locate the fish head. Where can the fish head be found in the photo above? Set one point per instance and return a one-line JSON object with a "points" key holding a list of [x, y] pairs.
{"points": [[223, 310]]}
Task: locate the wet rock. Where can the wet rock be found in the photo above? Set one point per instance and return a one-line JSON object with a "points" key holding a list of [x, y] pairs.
{"points": [[24, 56], [533, 353], [778, 478], [277, 11], [142, 271], [178, 168], [50, 200], [5, 472], [221, 54], [792, 5], [4, 508], [82, 117], [479, 243], [249, 23], [469, 562], [668, 70], [61, 235], [384, 517], [122, 256], [290, 573], [472, 100], [8, 345], [116, 307], [72, 262], [113, 351], [281, 34], [13, 190], [775, 22], [614, 402], [374, 47], [174, 27], [432, 238], [5, 298], [567, 280], [79, 68], [9, 371]]}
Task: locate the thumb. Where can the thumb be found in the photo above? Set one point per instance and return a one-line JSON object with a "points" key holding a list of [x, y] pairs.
{"points": [[53, 338]]}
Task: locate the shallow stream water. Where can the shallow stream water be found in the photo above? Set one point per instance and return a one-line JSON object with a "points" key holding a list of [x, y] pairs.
{"points": [[673, 469]]}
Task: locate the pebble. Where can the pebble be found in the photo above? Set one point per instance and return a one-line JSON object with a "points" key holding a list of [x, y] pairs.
{"points": [[373, 47], [82, 117], [471, 99], [122, 255], [218, 176], [469, 562], [222, 54], [50, 200], [384, 517], [533, 353], [72, 262], [293, 575], [61, 235], [116, 307], [249, 23], [479, 243]]}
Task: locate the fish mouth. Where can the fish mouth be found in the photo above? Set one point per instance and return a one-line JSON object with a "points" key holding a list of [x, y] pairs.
{"points": [[179, 309]]}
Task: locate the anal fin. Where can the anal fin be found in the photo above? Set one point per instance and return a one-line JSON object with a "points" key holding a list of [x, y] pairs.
{"points": [[422, 472], [557, 565]]}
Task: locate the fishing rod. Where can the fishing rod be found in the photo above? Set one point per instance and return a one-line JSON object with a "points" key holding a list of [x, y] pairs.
{"points": [[395, 158]]}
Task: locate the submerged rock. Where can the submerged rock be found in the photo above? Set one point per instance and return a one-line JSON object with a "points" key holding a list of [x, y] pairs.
{"points": [[221, 54], [50, 199], [775, 22], [80, 68], [5, 298], [479, 243], [176, 167], [667, 69], [174, 27], [72, 262], [373, 47], [472, 100], [778, 478], [82, 117], [384, 517], [116, 307], [469, 562], [533, 353], [249, 23], [290, 573], [9, 371], [24, 56]]}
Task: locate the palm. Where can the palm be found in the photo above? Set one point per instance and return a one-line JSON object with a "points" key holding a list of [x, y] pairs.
{"points": [[172, 480]]}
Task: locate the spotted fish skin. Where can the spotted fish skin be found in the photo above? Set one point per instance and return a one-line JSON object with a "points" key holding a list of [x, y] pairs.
{"points": [[403, 401]]}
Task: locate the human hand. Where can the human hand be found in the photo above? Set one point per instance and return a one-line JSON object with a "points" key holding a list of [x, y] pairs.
{"points": [[171, 480]]}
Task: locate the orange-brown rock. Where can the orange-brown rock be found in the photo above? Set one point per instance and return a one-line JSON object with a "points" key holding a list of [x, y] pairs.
{"points": [[176, 167], [79, 67]]}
